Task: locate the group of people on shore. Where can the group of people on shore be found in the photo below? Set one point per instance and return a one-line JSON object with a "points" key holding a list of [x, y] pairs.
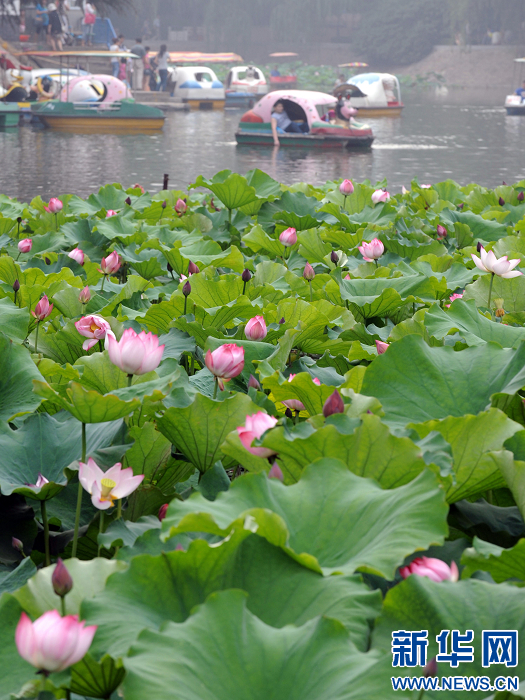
{"points": [[144, 72], [52, 23]]}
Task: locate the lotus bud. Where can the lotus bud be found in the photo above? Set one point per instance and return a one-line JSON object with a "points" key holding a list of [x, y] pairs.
{"points": [[381, 347], [162, 511], [42, 309], [186, 290], [521, 196], [282, 321], [128, 201], [170, 269], [347, 277], [16, 286], [246, 276], [276, 472], [47, 261], [479, 246], [179, 548], [431, 669], [85, 295], [334, 257], [110, 213], [500, 311], [434, 569], [501, 201], [25, 245], [164, 204], [288, 413], [255, 329], [346, 188], [55, 205], [504, 183], [441, 231], [181, 206], [136, 186], [460, 206], [288, 237], [61, 579], [19, 219], [308, 272], [18, 545], [253, 383], [77, 255], [41, 481], [333, 404], [192, 268]]}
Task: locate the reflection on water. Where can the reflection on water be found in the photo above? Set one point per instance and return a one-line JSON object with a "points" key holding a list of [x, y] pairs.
{"points": [[432, 140]]}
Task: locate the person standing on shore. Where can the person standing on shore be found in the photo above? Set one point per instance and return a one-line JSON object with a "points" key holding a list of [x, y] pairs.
{"points": [[90, 17], [115, 46], [162, 62], [138, 65]]}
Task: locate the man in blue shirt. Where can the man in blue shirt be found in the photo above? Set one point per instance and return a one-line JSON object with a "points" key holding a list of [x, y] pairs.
{"points": [[41, 19], [282, 123], [521, 91]]}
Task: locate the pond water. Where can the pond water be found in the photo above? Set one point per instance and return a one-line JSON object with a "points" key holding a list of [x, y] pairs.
{"points": [[465, 137]]}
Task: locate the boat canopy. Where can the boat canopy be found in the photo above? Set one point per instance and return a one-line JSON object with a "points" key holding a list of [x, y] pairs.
{"points": [[198, 57], [242, 75], [381, 90], [283, 54], [520, 60], [299, 104], [355, 64], [78, 54]]}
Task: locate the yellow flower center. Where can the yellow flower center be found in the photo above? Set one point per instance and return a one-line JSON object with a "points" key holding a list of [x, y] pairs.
{"points": [[93, 327], [106, 485]]}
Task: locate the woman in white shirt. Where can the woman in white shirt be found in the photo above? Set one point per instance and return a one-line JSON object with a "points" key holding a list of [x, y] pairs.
{"points": [[162, 63]]}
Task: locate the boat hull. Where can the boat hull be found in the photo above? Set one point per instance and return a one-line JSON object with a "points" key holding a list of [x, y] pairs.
{"points": [[10, 114], [254, 138], [379, 111], [516, 111], [204, 104], [110, 124], [121, 117]]}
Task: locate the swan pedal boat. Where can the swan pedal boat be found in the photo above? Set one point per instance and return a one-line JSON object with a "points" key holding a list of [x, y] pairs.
{"points": [[308, 106]]}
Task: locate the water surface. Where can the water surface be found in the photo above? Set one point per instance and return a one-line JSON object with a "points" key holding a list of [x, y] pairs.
{"points": [[465, 137]]}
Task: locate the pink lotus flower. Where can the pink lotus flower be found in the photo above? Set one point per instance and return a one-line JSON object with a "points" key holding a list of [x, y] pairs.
{"points": [[347, 277], [25, 245], [288, 237], [255, 329], [380, 196], [106, 487], [42, 309], [425, 187], [502, 267], [110, 265], [381, 347], [55, 205], [372, 251], [181, 206], [52, 643], [453, 297], [295, 404], [192, 268], [95, 328], [276, 472], [308, 272], [41, 481], [404, 190], [333, 404], [85, 295], [136, 186], [162, 511], [346, 188], [110, 213], [441, 231], [77, 255], [135, 353], [434, 569], [254, 427], [226, 362]]}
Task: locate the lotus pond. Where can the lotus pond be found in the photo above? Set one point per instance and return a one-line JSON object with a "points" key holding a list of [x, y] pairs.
{"points": [[298, 391]]}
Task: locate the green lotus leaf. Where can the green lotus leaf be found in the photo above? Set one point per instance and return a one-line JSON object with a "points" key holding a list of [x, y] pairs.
{"points": [[480, 227], [313, 661], [17, 373], [14, 671], [301, 388], [416, 383], [88, 406], [198, 430], [96, 679], [258, 240], [501, 564], [281, 591], [232, 189], [15, 321], [512, 291], [352, 524], [299, 211]]}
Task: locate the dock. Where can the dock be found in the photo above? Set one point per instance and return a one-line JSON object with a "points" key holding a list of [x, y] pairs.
{"points": [[162, 100]]}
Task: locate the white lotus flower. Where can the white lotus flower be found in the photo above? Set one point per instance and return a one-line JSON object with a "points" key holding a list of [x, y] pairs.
{"points": [[502, 267]]}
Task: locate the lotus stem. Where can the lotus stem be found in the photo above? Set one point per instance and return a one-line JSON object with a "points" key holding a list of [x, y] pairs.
{"points": [[421, 694], [100, 346], [56, 222], [130, 379], [45, 523], [100, 530], [490, 290], [185, 303], [63, 605], [36, 336], [192, 365], [344, 202], [119, 508], [229, 216], [215, 389], [311, 293], [243, 288], [103, 282], [79, 496]]}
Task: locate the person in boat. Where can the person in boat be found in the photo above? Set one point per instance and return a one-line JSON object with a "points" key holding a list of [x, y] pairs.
{"points": [[521, 90], [275, 73], [341, 80], [250, 73], [281, 123]]}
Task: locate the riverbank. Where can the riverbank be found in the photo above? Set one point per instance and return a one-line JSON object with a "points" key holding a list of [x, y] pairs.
{"points": [[485, 67]]}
